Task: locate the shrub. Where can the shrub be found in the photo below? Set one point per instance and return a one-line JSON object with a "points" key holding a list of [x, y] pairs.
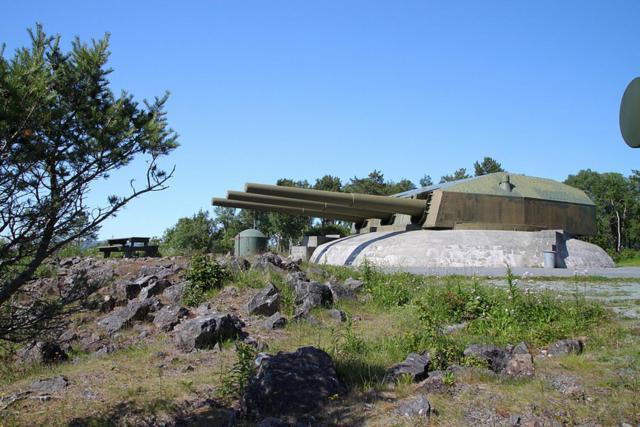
{"points": [[235, 380], [204, 275]]}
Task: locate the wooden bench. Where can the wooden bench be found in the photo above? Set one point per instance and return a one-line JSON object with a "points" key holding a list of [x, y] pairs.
{"points": [[129, 246]]}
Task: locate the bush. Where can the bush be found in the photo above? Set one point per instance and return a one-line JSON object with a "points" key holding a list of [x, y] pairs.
{"points": [[190, 235], [204, 275]]}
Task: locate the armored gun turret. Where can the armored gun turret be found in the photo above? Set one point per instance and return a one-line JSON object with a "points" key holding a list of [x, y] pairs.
{"points": [[498, 201]]}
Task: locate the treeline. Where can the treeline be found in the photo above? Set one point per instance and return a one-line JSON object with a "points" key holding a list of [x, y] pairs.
{"points": [[617, 199]]}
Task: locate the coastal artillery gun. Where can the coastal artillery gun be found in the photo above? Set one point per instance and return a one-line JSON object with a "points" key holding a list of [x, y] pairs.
{"points": [[498, 201]]}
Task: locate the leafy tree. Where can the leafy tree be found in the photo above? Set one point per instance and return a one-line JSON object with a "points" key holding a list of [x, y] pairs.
{"points": [[328, 183], [195, 234], [286, 227], [487, 166], [62, 129], [617, 200], [426, 181], [457, 175], [375, 184]]}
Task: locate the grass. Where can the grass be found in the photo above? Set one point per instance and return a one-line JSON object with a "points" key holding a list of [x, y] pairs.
{"points": [[394, 315], [630, 262]]}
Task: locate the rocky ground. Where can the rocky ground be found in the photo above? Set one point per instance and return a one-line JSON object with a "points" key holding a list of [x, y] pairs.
{"points": [[284, 344]]}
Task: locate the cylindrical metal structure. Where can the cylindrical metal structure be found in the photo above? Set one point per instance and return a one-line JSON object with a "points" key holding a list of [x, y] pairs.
{"points": [[391, 205], [306, 204], [250, 242], [549, 260], [286, 210]]}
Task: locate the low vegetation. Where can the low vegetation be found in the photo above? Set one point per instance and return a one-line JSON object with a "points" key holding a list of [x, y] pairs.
{"points": [[393, 315]]}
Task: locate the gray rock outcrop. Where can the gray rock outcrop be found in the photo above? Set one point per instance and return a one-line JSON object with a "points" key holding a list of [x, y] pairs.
{"points": [[204, 332], [266, 302], [415, 365], [297, 383]]}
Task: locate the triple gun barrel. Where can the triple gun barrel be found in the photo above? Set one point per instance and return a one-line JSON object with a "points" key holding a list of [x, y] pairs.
{"points": [[353, 207]]}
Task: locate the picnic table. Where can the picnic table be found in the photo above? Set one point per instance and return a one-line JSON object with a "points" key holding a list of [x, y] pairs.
{"points": [[130, 246]]}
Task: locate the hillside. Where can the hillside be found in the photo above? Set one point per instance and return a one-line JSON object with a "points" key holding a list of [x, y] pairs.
{"points": [[283, 343]]}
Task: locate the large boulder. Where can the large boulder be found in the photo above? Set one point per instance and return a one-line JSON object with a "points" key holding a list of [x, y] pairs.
{"points": [[45, 352], [416, 366], [266, 302], [169, 316], [135, 310], [353, 284], [341, 292], [414, 407], [204, 332], [297, 383], [520, 363], [313, 294], [174, 293], [495, 357], [49, 385]]}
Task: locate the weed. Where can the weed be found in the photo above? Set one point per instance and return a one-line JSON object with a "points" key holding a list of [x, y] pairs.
{"points": [[235, 380], [204, 275], [448, 378]]}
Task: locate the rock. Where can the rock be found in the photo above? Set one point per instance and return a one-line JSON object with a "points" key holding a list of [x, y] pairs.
{"points": [[204, 332], [313, 294], [128, 291], [354, 284], [450, 329], [568, 385], [108, 304], [154, 288], [145, 280], [339, 292], [275, 321], [49, 385], [135, 310], [266, 302], [339, 315], [104, 350], [520, 365], [45, 352], [300, 382], [294, 277], [434, 383], [258, 345], [174, 293], [521, 348], [233, 264], [169, 316], [495, 357], [268, 261], [415, 365], [567, 346], [414, 407], [90, 342]]}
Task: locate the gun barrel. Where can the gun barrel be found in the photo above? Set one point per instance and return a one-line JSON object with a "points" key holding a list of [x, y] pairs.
{"points": [[389, 205], [306, 204], [286, 210]]}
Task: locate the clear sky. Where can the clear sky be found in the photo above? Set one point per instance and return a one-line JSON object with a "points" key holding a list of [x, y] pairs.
{"points": [[268, 89]]}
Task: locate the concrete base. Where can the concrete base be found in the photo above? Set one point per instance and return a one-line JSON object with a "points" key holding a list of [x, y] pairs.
{"points": [[461, 248]]}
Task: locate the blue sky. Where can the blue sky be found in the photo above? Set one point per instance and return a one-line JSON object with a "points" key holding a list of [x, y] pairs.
{"points": [[268, 89]]}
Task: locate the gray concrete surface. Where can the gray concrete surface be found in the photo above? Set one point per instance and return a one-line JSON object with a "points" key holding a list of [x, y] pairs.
{"points": [[426, 249]]}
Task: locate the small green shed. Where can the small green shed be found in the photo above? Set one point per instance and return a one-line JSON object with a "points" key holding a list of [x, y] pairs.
{"points": [[250, 242]]}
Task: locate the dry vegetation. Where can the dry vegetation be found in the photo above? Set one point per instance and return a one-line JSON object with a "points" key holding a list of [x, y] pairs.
{"points": [[149, 382]]}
